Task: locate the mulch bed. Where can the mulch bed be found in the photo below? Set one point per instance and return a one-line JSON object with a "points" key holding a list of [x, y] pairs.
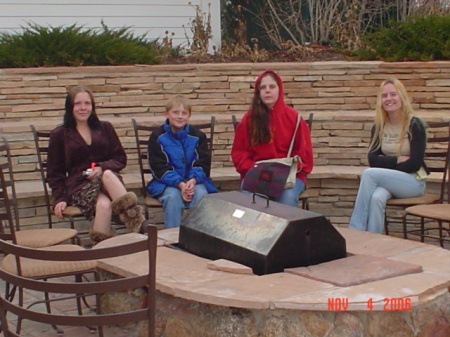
{"points": [[308, 54]]}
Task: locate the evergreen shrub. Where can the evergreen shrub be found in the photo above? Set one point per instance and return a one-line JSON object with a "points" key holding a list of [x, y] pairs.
{"points": [[416, 39], [39, 46]]}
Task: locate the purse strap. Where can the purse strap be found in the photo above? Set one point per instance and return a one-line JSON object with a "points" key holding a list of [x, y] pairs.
{"points": [[293, 137]]}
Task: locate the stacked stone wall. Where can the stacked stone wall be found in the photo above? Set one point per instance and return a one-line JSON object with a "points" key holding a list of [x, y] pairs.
{"points": [[341, 95]]}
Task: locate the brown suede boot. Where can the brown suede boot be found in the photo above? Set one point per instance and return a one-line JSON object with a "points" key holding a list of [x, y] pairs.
{"points": [[97, 237], [129, 211]]}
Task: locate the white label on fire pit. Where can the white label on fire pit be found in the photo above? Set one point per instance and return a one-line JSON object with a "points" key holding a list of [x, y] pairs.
{"points": [[238, 213]]}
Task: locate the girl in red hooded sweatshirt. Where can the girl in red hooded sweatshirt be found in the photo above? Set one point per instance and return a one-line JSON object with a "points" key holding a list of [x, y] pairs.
{"points": [[266, 131]]}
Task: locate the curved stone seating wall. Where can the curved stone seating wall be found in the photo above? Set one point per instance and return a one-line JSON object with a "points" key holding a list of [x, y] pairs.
{"points": [[228, 302], [340, 94]]}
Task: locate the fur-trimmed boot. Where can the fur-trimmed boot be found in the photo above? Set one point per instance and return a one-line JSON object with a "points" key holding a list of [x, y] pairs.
{"points": [[129, 211], [97, 237]]}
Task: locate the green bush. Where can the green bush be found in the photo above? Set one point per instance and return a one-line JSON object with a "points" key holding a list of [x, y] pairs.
{"points": [[417, 39], [75, 46]]}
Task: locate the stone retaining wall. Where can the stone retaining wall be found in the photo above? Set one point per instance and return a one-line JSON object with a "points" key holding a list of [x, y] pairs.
{"points": [[340, 94], [125, 91]]}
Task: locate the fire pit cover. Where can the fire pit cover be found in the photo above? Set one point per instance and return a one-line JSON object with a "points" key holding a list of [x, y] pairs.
{"points": [[266, 236]]}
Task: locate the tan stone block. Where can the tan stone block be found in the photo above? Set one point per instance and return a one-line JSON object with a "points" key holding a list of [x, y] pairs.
{"points": [[92, 81], [4, 109], [428, 88], [238, 109], [307, 78], [356, 269], [214, 85], [122, 110], [170, 68], [12, 83], [142, 86], [296, 86], [170, 79], [229, 267], [36, 107], [41, 82], [330, 100], [328, 199], [340, 183], [314, 107], [63, 82], [241, 79], [343, 94], [241, 87], [181, 87], [343, 126], [239, 69], [355, 100], [33, 91], [211, 95]]}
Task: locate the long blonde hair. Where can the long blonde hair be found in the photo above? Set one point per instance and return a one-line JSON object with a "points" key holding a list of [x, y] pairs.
{"points": [[381, 115]]}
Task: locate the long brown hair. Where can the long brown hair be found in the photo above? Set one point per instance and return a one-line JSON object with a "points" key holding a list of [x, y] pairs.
{"points": [[259, 123], [69, 120]]}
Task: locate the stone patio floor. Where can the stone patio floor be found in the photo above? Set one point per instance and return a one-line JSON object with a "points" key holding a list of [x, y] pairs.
{"points": [[34, 329]]}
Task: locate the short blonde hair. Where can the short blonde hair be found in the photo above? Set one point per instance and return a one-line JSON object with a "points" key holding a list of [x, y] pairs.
{"points": [[178, 100]]}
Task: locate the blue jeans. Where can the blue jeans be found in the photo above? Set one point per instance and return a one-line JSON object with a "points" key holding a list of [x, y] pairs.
{"points": [[173, 204], [290, 195], [377, 186]]}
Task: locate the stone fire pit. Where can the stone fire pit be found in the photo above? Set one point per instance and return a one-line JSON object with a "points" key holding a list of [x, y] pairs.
{"points": [[385, 287]]}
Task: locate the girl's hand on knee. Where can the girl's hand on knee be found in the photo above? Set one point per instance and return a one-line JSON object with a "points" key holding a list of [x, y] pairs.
{"points": [[59, 209]]}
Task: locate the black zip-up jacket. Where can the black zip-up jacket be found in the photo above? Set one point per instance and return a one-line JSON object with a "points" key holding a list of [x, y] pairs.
{"points": [[418, 143]]}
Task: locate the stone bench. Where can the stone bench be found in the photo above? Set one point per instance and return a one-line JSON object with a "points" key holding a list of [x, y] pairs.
{"points": [[31, 198], [34, 188], [332, 191]]}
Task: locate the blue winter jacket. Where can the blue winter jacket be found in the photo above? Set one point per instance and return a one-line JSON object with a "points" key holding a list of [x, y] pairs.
{"points": [[176, 157]]}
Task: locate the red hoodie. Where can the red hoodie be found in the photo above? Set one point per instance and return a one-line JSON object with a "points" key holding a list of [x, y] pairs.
{"points": [[282, 125]]}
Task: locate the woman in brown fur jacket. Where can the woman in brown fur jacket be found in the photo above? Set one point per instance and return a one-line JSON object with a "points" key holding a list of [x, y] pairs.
{"points": [[84, 160]]}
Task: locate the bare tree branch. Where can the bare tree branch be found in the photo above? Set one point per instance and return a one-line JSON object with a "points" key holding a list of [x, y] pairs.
{"points": [[274, 13]]}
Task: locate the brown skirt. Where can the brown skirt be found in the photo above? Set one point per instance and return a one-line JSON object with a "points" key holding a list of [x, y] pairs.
{"points": [[86, 198]]}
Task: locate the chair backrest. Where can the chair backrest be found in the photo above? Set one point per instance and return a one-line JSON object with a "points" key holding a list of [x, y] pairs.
{"points": [[448, 183], [309, 121], [142, 245], [41, 140], [7, 230], [208, 129], [234, 121], [8, 171], [437, 153], [142, 134]]}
